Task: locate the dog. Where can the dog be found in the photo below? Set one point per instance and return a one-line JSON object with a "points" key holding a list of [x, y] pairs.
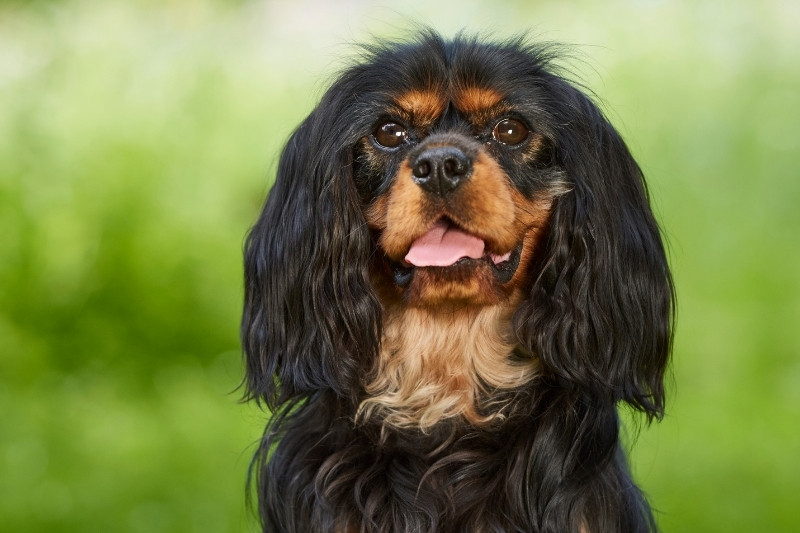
{"points": [[454, 283]]}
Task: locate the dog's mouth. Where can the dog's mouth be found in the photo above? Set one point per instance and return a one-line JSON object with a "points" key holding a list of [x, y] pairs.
{"points": [[448, 250]]}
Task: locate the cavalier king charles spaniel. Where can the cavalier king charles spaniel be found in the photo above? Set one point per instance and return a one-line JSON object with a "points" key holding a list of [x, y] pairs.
{"points": [[455, 281]]}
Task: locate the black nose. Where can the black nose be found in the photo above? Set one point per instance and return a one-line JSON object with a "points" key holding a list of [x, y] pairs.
{"points": [[441, 169]]}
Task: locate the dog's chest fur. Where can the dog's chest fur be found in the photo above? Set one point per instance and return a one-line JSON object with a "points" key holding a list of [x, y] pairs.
{"points": [[436, 364]]}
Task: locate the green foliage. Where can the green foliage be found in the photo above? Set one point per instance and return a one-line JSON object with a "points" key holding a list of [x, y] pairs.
{"points": [[137, 142]]}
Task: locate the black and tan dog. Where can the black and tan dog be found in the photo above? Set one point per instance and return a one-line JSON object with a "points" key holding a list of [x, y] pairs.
{"points": [[454, 282]]}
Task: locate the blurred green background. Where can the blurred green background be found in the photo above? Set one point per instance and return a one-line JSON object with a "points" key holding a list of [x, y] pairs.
{"points": [[138, 139]]}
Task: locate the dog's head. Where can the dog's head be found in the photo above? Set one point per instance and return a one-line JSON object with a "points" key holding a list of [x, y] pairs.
{"points": [[458, 181], [457, 175]]}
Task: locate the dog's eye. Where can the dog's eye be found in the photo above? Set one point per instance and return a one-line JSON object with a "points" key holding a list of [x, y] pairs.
{"points": [[510, 131], [390, 135]]}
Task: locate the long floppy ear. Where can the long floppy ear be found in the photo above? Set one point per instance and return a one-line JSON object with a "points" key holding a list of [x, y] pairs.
{"points": [[600, 313], [310, 315]]}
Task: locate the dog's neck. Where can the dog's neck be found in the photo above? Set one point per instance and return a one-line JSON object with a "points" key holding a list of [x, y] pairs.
{"points": [[445, 362]]}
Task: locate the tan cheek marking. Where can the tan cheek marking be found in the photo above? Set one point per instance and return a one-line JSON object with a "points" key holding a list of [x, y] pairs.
{"points": [[423, 105], [533, 218], [405, 214], [487, 202]]}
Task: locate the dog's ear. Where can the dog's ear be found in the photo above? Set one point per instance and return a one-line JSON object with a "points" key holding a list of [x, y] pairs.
{"points": [[310, 314], [600, 312]]}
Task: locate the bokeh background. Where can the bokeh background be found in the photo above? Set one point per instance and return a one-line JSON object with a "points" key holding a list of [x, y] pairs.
{"points": [[138, 140]]}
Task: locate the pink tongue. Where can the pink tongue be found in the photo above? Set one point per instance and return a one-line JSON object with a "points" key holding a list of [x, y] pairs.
{"points": [[443, 245]]}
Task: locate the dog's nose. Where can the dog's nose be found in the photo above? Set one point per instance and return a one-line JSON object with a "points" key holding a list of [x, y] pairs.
{"points": [[441, 169]]}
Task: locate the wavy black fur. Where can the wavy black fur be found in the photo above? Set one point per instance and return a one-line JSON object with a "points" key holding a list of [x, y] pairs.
{"points": [[598, 316]]}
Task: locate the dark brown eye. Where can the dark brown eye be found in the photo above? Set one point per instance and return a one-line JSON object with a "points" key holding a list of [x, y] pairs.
{"points": [[510, 131], [390, 135]]}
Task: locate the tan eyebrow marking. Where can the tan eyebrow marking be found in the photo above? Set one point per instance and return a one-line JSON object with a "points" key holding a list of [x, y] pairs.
{"points": [[473, 100], [423, 105]]}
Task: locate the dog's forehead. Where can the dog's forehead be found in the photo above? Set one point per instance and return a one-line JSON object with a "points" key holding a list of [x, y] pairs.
{"points": [[426, 104], [479, 81], [424, 107]]}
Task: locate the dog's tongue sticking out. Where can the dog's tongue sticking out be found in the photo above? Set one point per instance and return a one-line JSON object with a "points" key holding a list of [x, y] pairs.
{"points": [[443, 245]]}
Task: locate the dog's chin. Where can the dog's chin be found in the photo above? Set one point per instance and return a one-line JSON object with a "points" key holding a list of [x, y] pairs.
{"points": [[483, 281]]}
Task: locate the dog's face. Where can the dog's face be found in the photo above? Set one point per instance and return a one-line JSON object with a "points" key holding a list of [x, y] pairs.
{"points": [[458, 181]]}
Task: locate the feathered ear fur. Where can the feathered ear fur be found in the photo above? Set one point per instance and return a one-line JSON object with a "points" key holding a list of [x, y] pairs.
{"points": [[310, 314], [600, 313]]}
